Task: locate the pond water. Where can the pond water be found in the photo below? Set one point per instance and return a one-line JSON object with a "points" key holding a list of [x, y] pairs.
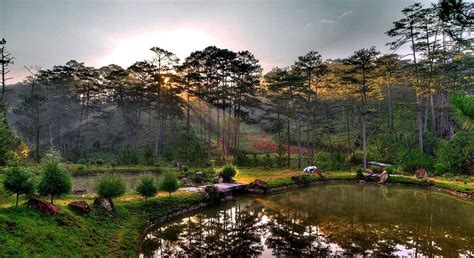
{"points": [[88, 182], [323, 220]]}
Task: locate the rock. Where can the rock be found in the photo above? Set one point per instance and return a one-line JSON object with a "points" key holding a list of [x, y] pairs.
{"points": [[199, 177], [79, 191], [420, 173], [43, 207], [211, 192], [79, 206], [259, 184], [218, 179], [383, 177], [187, 182], [104, 203]]}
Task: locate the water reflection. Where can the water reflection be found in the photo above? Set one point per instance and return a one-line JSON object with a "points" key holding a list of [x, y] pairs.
{"points": [[324, 220]]}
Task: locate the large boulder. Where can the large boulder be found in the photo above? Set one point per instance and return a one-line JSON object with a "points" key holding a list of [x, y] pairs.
{"points": [[187, 182], [79, 206], [420, 173], [259, 184], [104, 204], [43, 207]]}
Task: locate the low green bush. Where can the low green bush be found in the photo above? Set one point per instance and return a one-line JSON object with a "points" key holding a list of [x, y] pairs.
{"points": [[147, 187], [228, 172], [169, 183], [110, 186]]}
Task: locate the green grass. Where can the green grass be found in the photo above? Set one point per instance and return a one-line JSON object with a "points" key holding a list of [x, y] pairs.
{"points": [[24, 232]]}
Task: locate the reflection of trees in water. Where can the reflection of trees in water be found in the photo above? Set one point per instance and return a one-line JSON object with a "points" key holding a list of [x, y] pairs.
{"points": [[365, 221], [291, 234], [234, 232]]}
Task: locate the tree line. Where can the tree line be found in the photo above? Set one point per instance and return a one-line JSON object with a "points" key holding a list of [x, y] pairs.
{"points": [[378, 103]]}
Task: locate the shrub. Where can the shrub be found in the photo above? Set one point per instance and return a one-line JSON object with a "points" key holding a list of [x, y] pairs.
{"points": [[415, 159], [148, 156], [18, 181], [189, 149], [267, 161], [337, 161], [391, 170], [255, 160], [439, 168], [241, 159], [185, 168], [448, 175], [458, 153], [228, 172], [99, 162], [169, 183], [147, 187], [359, 171], [129, 156], [55, 179], [110, 186]]}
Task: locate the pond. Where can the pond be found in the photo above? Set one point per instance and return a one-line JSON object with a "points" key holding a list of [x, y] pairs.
{"points": [[323, 220], [87, 182]]}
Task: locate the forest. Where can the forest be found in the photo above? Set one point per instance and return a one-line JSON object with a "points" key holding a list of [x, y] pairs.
{"points": [[369, 154], [212, 105]]}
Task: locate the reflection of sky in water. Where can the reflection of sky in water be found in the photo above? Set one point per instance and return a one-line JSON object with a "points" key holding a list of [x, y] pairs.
{"points": [[338, 220]]}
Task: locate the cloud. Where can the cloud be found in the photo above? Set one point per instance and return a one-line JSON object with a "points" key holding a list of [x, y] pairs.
{"points": [[339, 17], [327, 21], [345, 13]]}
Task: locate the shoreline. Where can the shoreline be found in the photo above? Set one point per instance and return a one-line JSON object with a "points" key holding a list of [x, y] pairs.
{"points": [[280, 189]]}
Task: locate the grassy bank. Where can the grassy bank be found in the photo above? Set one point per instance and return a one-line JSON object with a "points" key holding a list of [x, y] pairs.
{"points": [[24, 232]]}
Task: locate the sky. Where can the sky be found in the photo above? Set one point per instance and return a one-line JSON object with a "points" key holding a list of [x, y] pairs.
{"points": [[100, 32]]}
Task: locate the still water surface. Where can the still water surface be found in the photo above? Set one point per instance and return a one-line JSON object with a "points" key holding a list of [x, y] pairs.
{"points": [[324, 220]]}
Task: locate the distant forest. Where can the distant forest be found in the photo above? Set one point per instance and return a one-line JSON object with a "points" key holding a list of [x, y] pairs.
{"points": [[216, 104]]}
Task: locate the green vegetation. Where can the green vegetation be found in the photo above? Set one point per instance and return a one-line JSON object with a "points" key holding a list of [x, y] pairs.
{"points": [[55, 179], [147, 187], [228, 172], [169, 183], [23, 232], [18, 181], [110, 186]]}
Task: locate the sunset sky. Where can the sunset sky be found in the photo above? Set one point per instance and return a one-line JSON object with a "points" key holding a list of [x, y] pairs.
{"points": [[100, 32]]}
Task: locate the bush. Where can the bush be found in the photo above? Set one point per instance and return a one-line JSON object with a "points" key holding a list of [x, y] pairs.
{"points": [[255, 160], [99, 162], [337, 161], [55, 179], [391, 170], [458, 153], [415, 159], [18, 181], [228, 172], [241, 159], [267, 161], [448, 175], [359, 171], [147, 187], [189, 150], [185, 168], [110, 186], [439, 168], [169, 183], [148, 156], [129, 156]]}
